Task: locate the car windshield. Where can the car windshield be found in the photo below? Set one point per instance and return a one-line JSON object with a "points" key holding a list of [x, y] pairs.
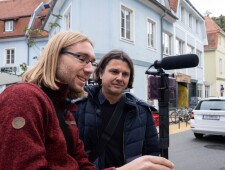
{"points": [[211, 105]]}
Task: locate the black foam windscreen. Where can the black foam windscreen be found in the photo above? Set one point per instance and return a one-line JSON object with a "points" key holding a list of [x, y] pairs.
{"points": [[177, 62]]}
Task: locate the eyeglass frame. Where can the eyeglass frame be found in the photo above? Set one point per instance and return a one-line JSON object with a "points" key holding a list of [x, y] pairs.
{"points": [[80, 57]]}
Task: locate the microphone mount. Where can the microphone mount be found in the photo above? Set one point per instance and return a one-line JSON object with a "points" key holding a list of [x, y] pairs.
{"points": [[163, 109]]}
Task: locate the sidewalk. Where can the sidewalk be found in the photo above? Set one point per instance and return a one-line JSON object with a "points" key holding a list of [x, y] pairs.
{"points": [[174, 128]]}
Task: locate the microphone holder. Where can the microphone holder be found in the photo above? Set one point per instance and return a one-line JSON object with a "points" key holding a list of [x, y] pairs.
{"points": [[163, 111]]}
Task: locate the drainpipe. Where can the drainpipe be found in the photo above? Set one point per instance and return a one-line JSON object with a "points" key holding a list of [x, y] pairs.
{"points": [[28, 52], [37, 11]]}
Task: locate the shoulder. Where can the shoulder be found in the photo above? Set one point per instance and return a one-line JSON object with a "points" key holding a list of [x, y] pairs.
{"points": [[24, 93], [92, 89], [135, 100], [23, 88]]}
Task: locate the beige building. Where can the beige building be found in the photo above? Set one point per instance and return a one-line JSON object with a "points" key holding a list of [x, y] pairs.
{"points": [[214, 66]]}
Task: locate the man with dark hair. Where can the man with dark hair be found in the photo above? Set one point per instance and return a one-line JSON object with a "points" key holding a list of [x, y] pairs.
{"points": [[135, 134]]}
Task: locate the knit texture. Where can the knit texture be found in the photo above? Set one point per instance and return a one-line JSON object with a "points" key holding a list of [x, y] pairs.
{"points": [[40, 143]]}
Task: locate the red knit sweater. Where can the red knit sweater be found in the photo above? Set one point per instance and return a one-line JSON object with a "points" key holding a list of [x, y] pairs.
{"points": [[39, 143]]}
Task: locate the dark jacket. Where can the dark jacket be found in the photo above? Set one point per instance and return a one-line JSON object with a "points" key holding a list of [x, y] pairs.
{"points": [[140, 134]]}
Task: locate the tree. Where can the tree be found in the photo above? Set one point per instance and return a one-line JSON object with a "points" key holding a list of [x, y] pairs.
{"points": [[220, 21]]}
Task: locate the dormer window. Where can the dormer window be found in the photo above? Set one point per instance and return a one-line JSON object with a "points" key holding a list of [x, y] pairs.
{"points": [[9, 26]]}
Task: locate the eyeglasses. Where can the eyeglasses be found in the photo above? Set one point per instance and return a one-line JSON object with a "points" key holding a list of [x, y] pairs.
{"points": [[84, 60]]}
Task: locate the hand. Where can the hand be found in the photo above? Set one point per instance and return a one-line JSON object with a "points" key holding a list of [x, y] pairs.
{"points": [[148, 163]]}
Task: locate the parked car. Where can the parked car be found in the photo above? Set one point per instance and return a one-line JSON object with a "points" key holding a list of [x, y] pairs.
{"points": [[208, 117], [155, 115]]}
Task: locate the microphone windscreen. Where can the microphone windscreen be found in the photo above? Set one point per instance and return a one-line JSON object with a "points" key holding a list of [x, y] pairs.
{"points": [[180, 61]]}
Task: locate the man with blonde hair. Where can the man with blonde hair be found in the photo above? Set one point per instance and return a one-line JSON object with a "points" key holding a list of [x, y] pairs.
{"points": [[37, 128]]}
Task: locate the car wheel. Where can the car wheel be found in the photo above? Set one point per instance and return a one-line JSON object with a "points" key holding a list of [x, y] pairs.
{"points": [[198, 135]]}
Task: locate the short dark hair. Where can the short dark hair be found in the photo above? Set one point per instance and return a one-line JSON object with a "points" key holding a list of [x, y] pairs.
{"points": [[117, 55]]}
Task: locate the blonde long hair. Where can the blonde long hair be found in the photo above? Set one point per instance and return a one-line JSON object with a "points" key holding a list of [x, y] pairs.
{"points": [[44, 72]]}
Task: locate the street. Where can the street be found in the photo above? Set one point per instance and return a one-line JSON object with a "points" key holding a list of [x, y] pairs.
{"points": [[189, 153]]}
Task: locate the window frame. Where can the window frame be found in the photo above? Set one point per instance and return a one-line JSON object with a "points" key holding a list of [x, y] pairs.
{"points": [[190, 51], [207, 91], [179, 46], [67, 18], [199, 54], [197, 26], [151, 40], [199, 90], [9, 24], [124, 30], [190, 20], [169, 42], [11, 61], [182, 14]]}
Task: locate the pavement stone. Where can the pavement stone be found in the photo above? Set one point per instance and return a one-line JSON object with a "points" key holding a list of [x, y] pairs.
{"points": [[176, 128]]}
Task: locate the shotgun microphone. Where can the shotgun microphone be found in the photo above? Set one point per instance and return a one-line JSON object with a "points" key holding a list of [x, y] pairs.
{"points": [[177, 62]]}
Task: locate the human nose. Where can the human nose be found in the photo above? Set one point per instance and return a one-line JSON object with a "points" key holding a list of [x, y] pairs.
{"points": [[119, 76], [88, 68]]}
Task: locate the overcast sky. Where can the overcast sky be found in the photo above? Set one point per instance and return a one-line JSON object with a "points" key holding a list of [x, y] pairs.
{"points": [[216, 7]]}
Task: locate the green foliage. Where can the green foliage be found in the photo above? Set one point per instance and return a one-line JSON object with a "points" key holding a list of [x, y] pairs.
{"points": [[14, 70], [37, 31], [54, 24], [30, 42], [220, 21], [57, 16], [23, 66]]}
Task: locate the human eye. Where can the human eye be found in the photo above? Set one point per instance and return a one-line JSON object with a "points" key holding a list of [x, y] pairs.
{"points": [[83, 58], [113, 71], [126, 74]]}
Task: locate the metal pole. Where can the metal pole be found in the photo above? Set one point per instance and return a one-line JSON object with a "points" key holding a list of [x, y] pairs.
{"points": [[164, 116]]}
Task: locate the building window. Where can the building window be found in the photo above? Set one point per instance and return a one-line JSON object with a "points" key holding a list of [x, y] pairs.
{"points": [[8, 26], [67, 19], [197, 26], [126, 23], [182, 14], [167, 43], [190, 49], [190, 20], [179, 47], [206, 91], [199, 54], [220, 66], [10, 56], [199, 90], [151, 31]]}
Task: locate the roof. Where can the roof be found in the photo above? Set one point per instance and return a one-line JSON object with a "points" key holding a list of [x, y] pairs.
{"points": [[17, 8], [173, 5], [7, 79], [20, 12], [213, 31]]}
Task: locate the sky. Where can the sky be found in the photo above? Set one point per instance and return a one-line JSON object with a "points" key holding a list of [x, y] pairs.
{"points": [[216, 7]]}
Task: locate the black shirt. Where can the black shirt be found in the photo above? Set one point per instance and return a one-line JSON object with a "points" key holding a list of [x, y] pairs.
{"points": [[114, 148]]}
